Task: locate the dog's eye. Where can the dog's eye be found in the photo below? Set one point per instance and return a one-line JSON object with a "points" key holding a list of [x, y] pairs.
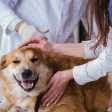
{"points": [[16, 61], [34, 59]]}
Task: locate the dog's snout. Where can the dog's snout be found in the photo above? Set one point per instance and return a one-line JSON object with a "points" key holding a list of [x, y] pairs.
{"points": [[26, 73]]}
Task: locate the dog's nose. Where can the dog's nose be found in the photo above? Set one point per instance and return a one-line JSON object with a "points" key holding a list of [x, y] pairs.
{"points": [[26, 73]]}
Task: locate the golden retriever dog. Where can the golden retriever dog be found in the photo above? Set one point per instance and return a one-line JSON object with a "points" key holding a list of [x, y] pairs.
{"points": [[25, 73]]}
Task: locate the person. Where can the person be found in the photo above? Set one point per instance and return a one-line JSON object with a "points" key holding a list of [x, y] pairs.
{"points": [[99, 47], [22, 19]]}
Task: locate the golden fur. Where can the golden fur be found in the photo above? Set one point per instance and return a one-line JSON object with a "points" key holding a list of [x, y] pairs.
{"points": [[92, 97]]}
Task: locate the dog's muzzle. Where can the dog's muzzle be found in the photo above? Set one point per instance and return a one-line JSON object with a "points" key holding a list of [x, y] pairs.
{"points": [[26, 83]]}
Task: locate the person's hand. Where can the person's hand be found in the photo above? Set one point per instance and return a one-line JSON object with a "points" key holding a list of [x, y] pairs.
{"points": [[27, 31], [33, 37], [37, 42], [56, 87]]}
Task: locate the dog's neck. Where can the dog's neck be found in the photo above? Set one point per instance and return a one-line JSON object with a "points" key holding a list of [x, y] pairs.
{"points": [[63, 62]]}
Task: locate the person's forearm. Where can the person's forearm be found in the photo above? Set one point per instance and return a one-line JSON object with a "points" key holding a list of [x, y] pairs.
{"points": [[77, 49], [83, 49], [95, 69]]}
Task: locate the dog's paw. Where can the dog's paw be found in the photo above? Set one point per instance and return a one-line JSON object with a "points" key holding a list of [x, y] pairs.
{"points": [[109, 109]]}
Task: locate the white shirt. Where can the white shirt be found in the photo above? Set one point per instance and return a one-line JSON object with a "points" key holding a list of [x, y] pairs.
{"points": [[59, 16], [97, 68]]}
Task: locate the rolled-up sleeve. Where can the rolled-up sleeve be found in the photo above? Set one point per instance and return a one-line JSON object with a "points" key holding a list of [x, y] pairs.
{"points": [[89, 50], [97, 68], [7, 15], [90, 71]]}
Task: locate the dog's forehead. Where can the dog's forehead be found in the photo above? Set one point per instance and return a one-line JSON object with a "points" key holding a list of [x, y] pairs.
{"points": [[24, 54]]}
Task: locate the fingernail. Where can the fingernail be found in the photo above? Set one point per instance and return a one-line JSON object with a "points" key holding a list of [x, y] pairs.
{"points": [[47, 104], [55, 103], [43, 105]]}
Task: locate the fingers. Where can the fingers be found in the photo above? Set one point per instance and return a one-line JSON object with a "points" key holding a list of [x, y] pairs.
{"points": [[51, 88], [54, 99], [50, 91], [30, 40], [56, 87], [37, 42], [50, 83], [58, 98], [50, 99], [53, 94], [35, 45]]}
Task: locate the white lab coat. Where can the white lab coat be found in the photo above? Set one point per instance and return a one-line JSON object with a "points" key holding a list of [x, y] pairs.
{"points": [[59, 16]]}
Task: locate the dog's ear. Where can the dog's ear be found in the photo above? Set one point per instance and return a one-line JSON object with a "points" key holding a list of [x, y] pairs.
{"points": [[50, 62], [47, 59], [2, 62]]}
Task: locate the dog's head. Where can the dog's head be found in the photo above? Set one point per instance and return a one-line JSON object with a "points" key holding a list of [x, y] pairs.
{"points": [[26, 70]]}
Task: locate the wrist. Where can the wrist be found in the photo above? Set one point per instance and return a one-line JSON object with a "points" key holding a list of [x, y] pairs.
{"points": [[18, 26], [56, 47], [12, 25], [26, 31], [69, 75]]}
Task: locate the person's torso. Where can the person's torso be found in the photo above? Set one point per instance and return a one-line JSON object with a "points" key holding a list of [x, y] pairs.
{"points": [[59, 16]]}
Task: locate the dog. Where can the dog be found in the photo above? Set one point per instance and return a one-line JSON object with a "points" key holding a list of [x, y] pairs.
{"points": [[25, 73]]}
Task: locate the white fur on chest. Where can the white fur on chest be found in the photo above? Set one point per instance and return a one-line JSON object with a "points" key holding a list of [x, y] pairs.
{"points": [[23, 102], [22, 97]]}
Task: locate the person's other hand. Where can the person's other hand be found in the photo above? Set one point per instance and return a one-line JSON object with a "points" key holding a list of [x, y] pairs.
{"points": [[27, 31], [56, 87], [37, 42]]}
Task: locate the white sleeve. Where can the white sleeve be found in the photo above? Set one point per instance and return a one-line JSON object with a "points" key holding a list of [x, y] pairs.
{"points": [[7, 15], [97, 68], [89, 51]]}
